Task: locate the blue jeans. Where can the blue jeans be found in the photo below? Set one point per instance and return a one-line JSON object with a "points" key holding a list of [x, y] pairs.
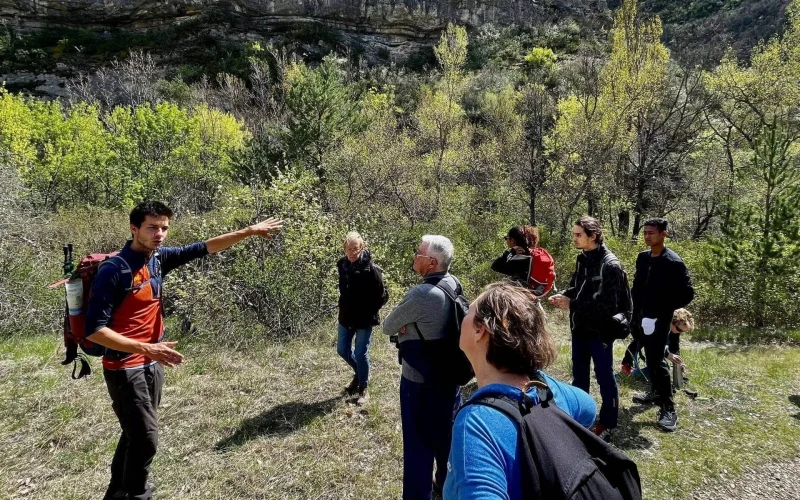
{"points": [[426, 412], [602, 354], [358, 360]]}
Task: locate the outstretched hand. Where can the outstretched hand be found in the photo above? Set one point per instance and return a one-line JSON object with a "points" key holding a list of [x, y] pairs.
{"points": [[265, 227], [164, 353]]}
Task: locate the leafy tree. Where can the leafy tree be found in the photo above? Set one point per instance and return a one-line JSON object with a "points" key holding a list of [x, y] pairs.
{"points": [[760, 103], [541, 58], [321, 112], [451, 54], [763, 233]]}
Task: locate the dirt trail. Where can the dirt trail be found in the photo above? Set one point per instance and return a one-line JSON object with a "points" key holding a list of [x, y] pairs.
{"points": [[775, 481]]}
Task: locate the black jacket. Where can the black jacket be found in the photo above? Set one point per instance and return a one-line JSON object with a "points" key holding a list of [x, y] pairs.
{"points": [[595, 298], [661, 285], [515, 265], [362, 292]]}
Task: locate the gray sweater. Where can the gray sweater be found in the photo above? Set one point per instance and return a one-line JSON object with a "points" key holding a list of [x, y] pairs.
{"points": [[425, 306]]}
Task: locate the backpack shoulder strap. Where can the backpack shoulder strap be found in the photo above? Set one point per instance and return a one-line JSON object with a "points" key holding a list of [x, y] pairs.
{"points": [[441, 285], [608, 259], [516, 411], [504, 404], [123, 267]]}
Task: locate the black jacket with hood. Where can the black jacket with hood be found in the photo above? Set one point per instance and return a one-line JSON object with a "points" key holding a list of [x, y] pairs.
{"points": [[597, 291], [362, 291]]}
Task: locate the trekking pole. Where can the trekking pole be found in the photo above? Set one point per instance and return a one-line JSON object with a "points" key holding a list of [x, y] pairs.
{"points": [[69, 264]]}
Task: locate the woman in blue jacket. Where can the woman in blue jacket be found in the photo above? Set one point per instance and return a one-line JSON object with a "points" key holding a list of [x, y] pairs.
{"points": [[505, 339]]}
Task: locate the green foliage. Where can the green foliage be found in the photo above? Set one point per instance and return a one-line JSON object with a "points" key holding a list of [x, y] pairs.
{"points": [[79, 155], [531, 136], [541, 58], [760, 103], [285, 284], [321, 111]]}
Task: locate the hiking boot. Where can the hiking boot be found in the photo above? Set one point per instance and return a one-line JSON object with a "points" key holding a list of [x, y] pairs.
{"points": [[648, 398], [363, 396], [626, 369], [351, 389], [667, 420], [602, 432]]}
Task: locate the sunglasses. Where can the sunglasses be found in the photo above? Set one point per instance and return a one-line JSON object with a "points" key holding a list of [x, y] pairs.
{"points": [[678, 329]]}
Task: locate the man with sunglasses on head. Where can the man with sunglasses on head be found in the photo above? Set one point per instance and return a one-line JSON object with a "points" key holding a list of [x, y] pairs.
{"points": [[660, 286], [427, 405]]}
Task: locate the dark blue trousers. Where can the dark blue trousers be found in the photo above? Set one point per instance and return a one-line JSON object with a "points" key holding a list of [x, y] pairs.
{"points": [[426, 412], [584, 352]]}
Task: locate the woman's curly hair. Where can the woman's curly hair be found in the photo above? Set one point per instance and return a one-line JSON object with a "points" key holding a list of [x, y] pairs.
{"points": [[518, 340], [685, 317]]}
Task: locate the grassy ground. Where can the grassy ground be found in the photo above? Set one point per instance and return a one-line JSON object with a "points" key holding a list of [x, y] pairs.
{"points": [[270, 423]]}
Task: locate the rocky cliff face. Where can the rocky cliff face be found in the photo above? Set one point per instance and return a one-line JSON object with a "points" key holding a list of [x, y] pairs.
{"points": [[390, 22]]}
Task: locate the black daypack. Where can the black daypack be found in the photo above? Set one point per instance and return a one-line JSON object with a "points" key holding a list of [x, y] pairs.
{"points": [[561, 459], [448, 363], [619, 327]]}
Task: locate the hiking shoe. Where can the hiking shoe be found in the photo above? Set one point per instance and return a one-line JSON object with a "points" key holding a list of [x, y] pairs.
{"points": [[626, 369], [351, 389], [602, 432], [667, 420], [363, 396], [648, 398]]}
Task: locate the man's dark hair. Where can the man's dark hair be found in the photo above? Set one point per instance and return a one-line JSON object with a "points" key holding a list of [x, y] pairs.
{"points": [[591, 227], [151, 208], [657, 222]]}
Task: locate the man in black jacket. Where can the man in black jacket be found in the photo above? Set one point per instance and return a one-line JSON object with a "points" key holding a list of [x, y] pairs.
{"points": [[597, 292], [660, 286]]}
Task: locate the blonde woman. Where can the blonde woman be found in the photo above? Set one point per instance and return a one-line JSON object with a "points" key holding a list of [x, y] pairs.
{"points": [[682, 322], [362, 293]]}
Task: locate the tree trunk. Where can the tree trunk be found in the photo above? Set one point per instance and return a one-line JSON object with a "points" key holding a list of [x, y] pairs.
{"points": [[638, 209], [532, 192], [623, 222]]}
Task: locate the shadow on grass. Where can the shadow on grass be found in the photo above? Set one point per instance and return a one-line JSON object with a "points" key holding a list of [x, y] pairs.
{"points": [[795, 400], [629, 436], [279, 420]]}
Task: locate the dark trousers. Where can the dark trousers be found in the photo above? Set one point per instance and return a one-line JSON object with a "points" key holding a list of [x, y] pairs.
{"points": [[635, 347], [655, 346], [426, 412], [584, 352], [135, 395]]}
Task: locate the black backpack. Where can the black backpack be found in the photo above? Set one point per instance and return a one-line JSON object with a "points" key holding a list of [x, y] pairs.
{"points": [[449, 365], [619, 327], [561, 459]]}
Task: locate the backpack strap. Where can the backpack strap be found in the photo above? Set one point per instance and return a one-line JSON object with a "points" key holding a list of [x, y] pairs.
{"points": [[448, 291], [123, 267], [516, 411], [608, 258]]}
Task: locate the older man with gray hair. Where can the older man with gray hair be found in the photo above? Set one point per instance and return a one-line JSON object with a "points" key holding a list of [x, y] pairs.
{"points": [[427, 405]]}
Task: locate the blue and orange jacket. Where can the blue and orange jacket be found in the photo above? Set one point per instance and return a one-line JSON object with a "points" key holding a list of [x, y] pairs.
{"points": [[130, 304]]}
